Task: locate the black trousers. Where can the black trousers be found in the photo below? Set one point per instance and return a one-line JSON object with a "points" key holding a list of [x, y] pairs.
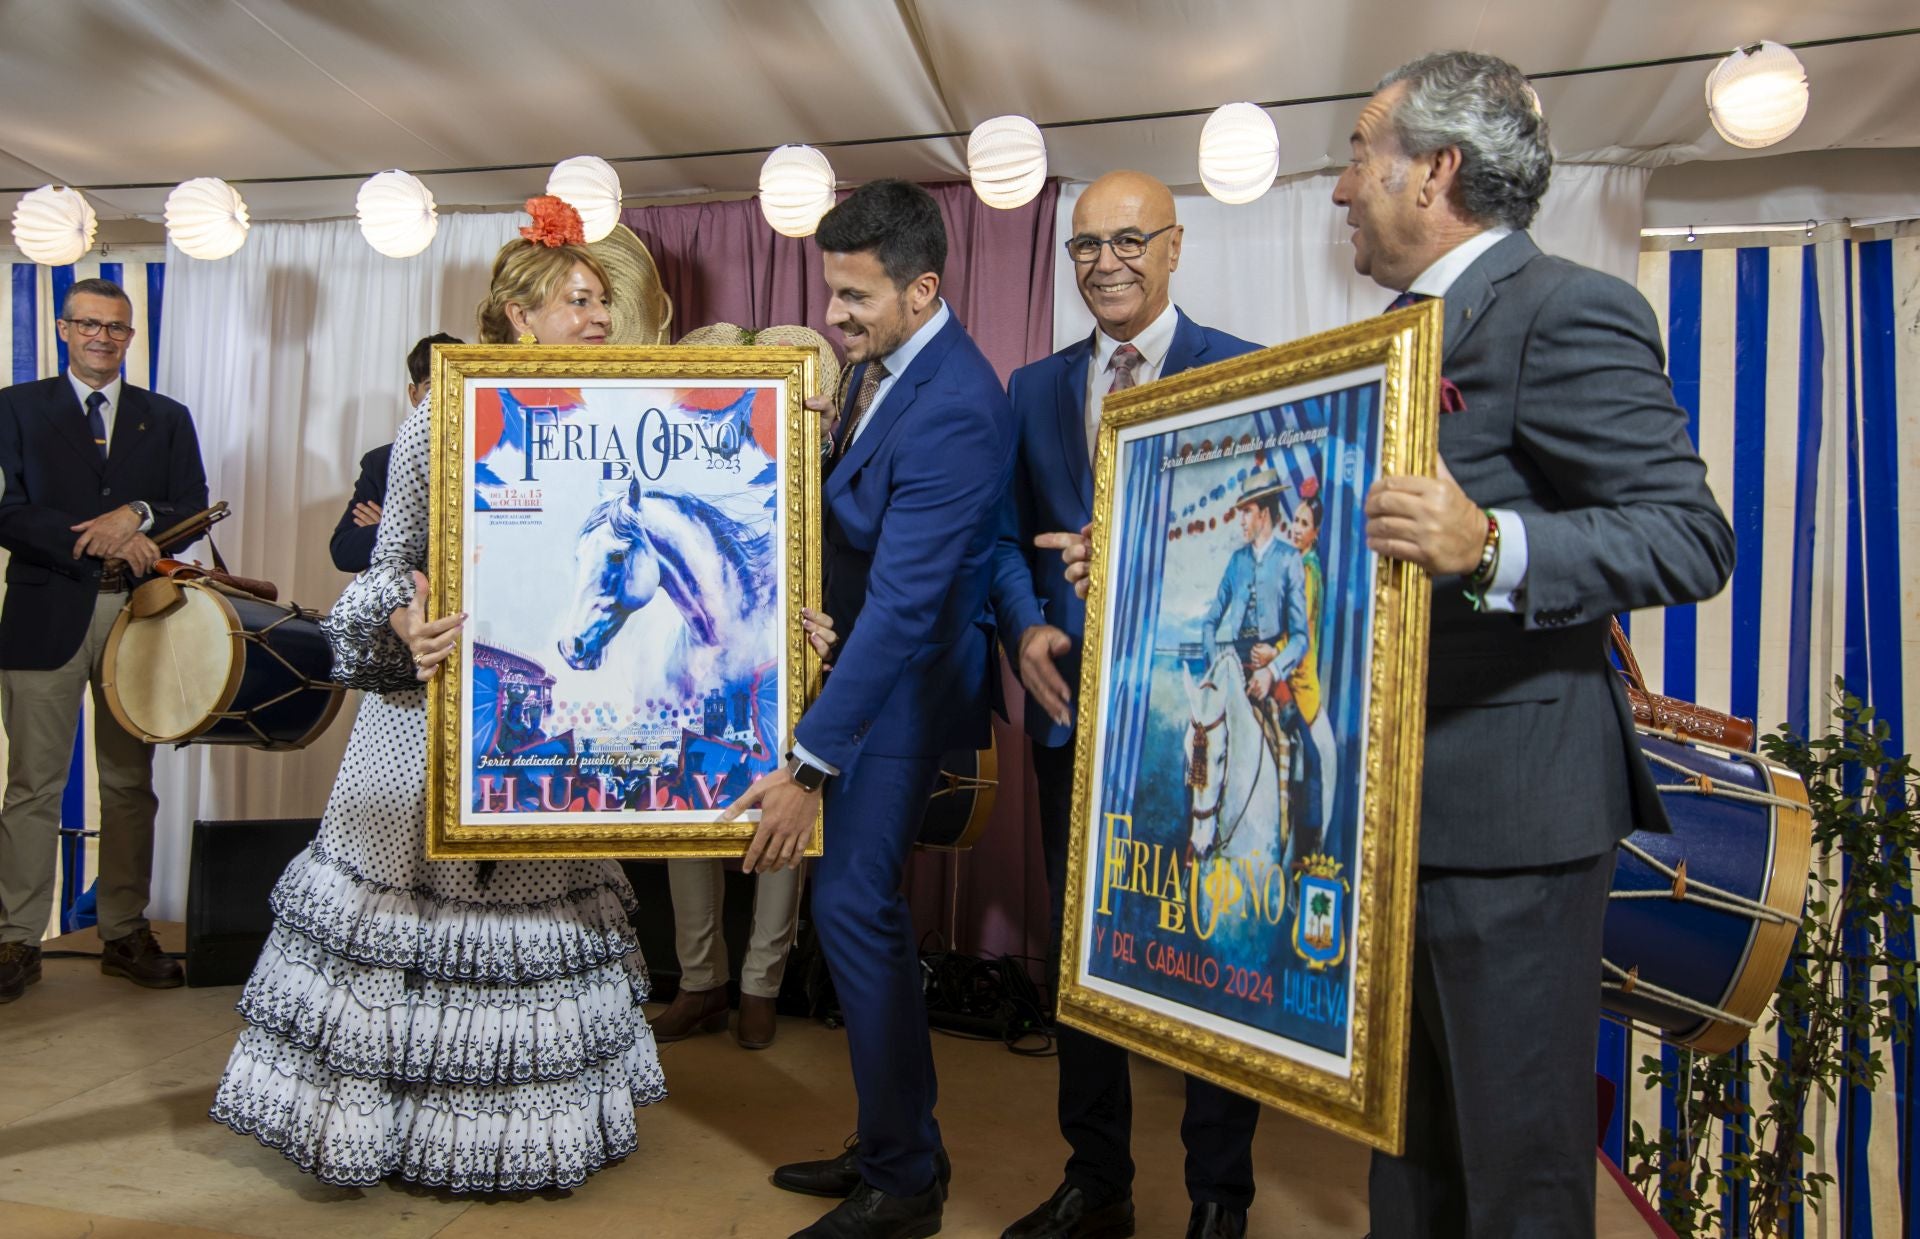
{"points": [[1096, 1092], [1500, 1095]]}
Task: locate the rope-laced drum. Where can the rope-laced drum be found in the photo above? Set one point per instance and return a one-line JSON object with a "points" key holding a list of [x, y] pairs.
{"points": [[1701, 922], [191, 662]]}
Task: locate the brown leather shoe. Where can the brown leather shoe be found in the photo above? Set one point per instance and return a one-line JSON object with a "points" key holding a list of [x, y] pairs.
{"points": [[755, 1028], [139, 959], [19, 968], [692, 1011]]}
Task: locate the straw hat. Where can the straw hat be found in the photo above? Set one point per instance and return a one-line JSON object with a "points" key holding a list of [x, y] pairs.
{"points": [[641, 308], [727, 334], [1260, 484]]}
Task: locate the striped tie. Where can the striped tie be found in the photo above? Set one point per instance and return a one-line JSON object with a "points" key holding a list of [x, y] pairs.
{"points": [[1406, 299], [96, 423]]}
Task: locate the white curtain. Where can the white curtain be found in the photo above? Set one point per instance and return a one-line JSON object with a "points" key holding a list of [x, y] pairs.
{"points": [[292, 356], [1281, 267]]}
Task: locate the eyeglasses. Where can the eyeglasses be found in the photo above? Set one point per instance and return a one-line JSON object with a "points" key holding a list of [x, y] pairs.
{"points": [[91, 327], [1126, 245]]}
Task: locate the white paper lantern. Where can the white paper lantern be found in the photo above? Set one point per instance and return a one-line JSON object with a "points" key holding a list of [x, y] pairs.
{"points": [[397, 215], [796, 189], [206, 218], [1758, 95], [54, 225], [589, 185], [1007, 159], [1239, 153]]}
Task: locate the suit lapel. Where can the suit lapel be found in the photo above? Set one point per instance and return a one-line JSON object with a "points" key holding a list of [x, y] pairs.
{"points": [[1189, 347], [1473, 291], [69, 419], [129, 427], [898, 398], [1070, 407]]}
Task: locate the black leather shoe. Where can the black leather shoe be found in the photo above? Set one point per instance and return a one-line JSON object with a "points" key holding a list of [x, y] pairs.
{"points": [[836, 1177], [19, 968], [869, 1213], [1213, 1221], [1070, 1214]]}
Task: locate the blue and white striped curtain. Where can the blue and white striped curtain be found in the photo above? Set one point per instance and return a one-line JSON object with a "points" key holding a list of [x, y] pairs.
{"points": [[30, 349], [1792, 361]]}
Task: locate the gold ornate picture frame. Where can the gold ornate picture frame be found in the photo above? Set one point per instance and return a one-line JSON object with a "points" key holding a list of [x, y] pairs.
{"points": [[632, 533], [1247, 778]]}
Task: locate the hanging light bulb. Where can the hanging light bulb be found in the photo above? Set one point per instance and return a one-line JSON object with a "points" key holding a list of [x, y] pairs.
{"points": [[1007, 161], [397, 214], [54, 225], [1239, 153], [796, 189], [589, 185], [206, 218], [1757, 95]]}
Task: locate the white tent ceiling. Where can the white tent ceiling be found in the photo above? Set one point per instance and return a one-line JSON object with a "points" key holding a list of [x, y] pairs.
{"points": [[102, 92]]}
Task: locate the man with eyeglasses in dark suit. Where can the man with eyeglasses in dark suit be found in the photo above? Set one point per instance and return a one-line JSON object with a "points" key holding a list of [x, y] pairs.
{"points": [[91, 465], [1125, 247]]}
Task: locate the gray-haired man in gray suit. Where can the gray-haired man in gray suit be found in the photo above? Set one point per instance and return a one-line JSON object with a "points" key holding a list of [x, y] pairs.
{"points": [[1568, 491]]}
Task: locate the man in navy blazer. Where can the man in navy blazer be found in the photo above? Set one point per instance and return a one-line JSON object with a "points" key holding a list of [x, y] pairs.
{"points": [[1125, 247], [359, 525], [915, 464], [91, 464]]}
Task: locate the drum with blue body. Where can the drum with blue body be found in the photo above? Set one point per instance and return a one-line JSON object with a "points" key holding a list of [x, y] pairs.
{"points": [[189, 662], [1701, 921]]}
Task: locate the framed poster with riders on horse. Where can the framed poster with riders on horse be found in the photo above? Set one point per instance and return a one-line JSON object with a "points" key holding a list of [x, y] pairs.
{"points": [[632, 533], [1240, 888]]}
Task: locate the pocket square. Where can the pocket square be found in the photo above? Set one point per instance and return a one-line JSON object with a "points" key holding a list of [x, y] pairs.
{"points": [[1451, 401]]}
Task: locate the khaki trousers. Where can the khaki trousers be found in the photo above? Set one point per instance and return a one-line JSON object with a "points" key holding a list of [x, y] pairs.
{"points": [[40, 710], [698, 887]]}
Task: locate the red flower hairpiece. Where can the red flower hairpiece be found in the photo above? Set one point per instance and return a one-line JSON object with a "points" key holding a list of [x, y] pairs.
{"points": [[1309, 487], [554, 223]]}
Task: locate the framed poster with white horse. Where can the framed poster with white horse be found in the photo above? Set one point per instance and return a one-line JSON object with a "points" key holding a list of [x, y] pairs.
{"points": [[1246, 800], [632, 533]]}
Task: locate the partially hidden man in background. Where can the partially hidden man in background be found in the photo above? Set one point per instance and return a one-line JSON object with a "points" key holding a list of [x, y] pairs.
{"points": [[1568, 492], [918, 459], [1125, 247], [92, 464], [359, 525]]}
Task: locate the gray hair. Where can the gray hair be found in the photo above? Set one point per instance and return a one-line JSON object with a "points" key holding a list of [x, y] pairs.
{"points": [[95, 287], [1485, 107]]}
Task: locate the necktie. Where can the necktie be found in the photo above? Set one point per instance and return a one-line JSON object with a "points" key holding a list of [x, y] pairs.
{"points": [[870, 380], [1406, 299], [1125, 365], [96, 423]]}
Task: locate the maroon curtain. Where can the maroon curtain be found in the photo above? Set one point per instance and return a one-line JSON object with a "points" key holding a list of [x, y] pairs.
{"points": [[721, 262]]}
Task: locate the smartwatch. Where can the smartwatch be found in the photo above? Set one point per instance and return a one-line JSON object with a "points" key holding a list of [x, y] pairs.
{"points": [[809, 776]]}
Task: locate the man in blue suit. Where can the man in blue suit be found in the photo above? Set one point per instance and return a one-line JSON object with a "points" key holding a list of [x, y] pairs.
{"points": [[916, 462], [91, 464], [1125, 247]]}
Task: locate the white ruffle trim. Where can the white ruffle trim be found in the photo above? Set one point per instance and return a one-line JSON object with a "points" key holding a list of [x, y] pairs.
{"points": [[354, 1132], [380, 1022], [385, 926]]}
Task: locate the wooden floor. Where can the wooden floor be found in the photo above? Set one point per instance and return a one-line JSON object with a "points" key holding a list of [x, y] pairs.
{"points": [[104, 1090]]}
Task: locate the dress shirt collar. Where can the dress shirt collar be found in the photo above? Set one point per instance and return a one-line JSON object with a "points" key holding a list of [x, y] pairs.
{"points": [[899, 359], [81, 391], [1154, 341], [1438, 278]]}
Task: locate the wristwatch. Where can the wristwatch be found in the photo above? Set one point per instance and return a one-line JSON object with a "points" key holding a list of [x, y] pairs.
{"points": [[809, 776], [142, 510]]}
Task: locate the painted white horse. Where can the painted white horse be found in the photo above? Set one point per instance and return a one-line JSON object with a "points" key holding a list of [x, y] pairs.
{"points": [[1233, 780], [714, 570]]}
